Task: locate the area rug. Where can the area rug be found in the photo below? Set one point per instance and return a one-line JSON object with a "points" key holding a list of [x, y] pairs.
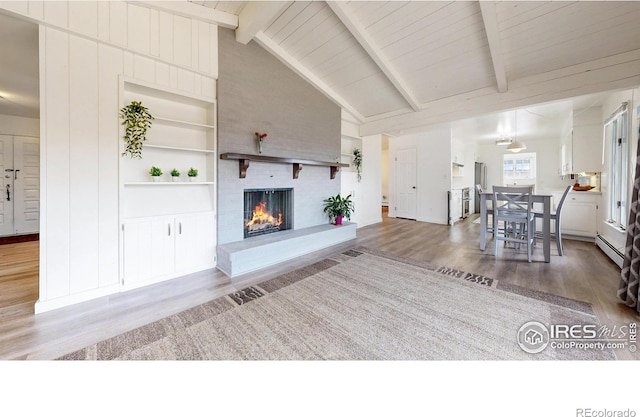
{"points": [[358, 305]]}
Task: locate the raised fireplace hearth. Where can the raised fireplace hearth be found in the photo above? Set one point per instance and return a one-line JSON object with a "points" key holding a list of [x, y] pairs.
{"points": [[267, 210]]}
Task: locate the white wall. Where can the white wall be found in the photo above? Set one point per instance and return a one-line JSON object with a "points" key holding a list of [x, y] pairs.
{"points": [[366, 193], [84, 48], [547, 163], [19, 126], [433, 150]]}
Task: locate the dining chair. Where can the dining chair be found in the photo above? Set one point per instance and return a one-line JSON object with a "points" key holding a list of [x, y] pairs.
{"points": [[514, 207], [557, 220], [489, 228]]}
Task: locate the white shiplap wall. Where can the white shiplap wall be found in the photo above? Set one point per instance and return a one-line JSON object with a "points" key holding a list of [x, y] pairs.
{"points": [[84, 48]]}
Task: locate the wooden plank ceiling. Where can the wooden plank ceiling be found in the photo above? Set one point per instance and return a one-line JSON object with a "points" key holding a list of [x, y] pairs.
{"points": [[400, 65]]}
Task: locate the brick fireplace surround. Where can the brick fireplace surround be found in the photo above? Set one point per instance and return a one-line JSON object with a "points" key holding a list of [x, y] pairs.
{"points": [[258, 93]]}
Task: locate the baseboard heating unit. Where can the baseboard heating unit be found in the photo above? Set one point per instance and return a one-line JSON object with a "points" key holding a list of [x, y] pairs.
{"points": [[613, 253]]}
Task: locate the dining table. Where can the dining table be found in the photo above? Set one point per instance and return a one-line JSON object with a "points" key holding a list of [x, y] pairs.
{"points": [[543, 199]]}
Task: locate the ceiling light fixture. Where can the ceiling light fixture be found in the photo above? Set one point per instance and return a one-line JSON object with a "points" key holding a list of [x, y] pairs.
{"points": [[504, 140], [516, 146]]}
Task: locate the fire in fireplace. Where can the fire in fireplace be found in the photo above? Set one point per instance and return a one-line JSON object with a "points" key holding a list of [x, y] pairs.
{"points": [[267, 211]]}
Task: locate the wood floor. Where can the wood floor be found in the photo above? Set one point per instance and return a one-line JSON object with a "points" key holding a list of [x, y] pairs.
{"points": [[584, 273]]}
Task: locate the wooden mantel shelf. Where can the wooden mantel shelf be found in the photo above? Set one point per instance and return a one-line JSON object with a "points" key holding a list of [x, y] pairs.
{"points": [[244, 159]]}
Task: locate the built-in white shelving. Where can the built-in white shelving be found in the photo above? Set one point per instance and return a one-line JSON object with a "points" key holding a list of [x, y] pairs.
{"points": [[177, 148], [168, 228], [183, 123], [173, 183]]}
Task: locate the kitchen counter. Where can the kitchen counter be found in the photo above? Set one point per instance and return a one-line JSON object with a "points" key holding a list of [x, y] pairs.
{"points": [[595, 191]]}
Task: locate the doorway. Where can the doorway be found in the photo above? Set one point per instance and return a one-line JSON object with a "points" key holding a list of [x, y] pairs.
{"points": [[19, 166]]}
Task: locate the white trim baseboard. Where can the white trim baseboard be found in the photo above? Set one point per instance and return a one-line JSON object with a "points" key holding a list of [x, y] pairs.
{"points": [[610, 250]]}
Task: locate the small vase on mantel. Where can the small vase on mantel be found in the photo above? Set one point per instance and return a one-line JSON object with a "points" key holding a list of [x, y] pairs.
{"points": [[339, 221], [259, 138]]}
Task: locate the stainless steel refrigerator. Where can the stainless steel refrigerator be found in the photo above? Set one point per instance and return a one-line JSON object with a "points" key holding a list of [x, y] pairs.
{"points": [[480, 178]]}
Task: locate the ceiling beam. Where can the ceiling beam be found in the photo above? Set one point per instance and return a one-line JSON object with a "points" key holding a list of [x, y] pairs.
{"points": [[192, 11], [488, 9], [256, 16], [367, 42], [614, 72], [276, 50]]}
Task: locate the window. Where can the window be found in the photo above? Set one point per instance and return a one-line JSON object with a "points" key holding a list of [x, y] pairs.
{"points": [[519, 169], [616, 140]]}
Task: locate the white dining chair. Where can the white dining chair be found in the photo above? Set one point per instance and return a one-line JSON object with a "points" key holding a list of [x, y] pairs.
{"points": [[514, 207]]}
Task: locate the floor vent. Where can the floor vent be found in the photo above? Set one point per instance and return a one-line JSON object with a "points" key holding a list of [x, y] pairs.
{"points": [[613, 253]]}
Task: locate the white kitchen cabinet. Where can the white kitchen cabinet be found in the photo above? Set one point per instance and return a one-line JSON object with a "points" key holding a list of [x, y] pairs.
{"points": [[455, 206], [457, 152], [587, 140], [457, 158], [566, 154], [580, 214], [164, 247], [581, 148]]}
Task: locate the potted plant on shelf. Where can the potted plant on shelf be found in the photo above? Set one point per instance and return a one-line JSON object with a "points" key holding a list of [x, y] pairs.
{"points": [[357, 161], [175, 175], [338, 207], [137, 120], [192, 174], [155, 173]]}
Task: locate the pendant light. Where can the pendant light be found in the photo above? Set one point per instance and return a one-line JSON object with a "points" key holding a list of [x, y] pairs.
{"points": [[516, 146]]}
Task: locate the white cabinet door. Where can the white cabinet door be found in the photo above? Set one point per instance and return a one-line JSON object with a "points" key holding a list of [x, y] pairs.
{"points": [[148, 250], [195, 242], [580, 216], [587, 140], [456, 205], [457, 152], [587, 148], [566, 154]]}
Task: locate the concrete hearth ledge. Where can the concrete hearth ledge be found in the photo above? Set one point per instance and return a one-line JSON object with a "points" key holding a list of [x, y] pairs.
{"points": [[237, 258]]}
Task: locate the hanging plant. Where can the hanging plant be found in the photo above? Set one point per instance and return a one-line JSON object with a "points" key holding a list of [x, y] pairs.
{"points": [[137, 120], [357, 161]]}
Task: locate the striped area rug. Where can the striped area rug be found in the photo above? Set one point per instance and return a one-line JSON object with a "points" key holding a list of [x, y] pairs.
{"points": [[358, 305]]}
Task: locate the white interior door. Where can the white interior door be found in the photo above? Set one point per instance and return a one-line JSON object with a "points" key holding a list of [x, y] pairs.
{"points": [[26, 205], [406, 179], [6, 180], [20, 174]]}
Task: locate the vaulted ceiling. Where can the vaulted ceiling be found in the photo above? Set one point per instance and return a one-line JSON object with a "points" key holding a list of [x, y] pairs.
{"points": [[404, 64], [397, 66]]}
